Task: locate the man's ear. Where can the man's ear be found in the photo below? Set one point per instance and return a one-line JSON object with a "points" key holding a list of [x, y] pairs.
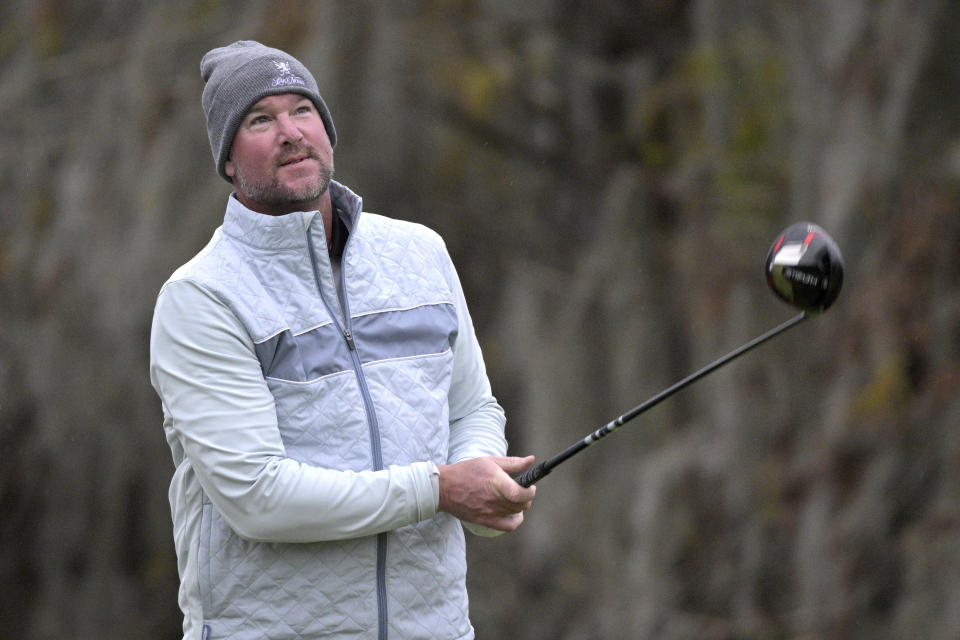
{"points": [[228, 169]]}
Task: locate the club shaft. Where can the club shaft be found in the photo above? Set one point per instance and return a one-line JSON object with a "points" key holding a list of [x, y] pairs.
{"points": [[541, 469]]}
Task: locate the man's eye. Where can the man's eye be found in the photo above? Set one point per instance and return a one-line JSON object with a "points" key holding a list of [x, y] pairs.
{"points": [[306, 108], [259, 120]]}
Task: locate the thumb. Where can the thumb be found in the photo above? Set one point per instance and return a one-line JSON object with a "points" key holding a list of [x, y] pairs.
{"points": [[514, 464]]}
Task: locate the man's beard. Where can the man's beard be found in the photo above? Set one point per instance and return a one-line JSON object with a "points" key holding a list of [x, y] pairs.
{"points": [[270, 191]]}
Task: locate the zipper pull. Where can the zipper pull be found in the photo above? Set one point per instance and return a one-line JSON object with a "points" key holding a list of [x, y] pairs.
{"points": [[349, 337]]}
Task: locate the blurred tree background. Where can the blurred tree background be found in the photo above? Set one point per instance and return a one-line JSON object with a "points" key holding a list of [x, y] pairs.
{"points": [[608, 176]]}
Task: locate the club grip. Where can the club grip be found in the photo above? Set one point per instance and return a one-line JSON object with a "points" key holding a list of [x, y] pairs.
{"points": [[532, 474]]}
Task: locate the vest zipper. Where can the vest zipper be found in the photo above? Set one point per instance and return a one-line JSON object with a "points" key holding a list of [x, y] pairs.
{"points": [[374, 427]]}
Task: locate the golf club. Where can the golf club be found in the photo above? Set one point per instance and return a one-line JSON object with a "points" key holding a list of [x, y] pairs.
{"points": [[804, 268]]}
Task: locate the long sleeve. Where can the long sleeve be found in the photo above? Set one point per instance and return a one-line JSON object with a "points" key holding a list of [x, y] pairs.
{"points": [[476, 419], [220, 414]]}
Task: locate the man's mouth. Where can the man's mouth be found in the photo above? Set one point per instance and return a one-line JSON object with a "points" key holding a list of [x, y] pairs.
{"points": [[294, 160]]}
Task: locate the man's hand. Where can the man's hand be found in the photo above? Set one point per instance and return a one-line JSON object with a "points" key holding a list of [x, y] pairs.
{"points": [[482, 491]]}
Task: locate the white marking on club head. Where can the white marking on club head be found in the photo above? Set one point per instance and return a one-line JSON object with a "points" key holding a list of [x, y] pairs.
{"points": [[790, 254]]}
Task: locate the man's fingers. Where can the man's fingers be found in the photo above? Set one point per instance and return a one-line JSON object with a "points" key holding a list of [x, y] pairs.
{"points": [[506, 508], [481, 491], [512, 492], [514, 464], [504, 523]]}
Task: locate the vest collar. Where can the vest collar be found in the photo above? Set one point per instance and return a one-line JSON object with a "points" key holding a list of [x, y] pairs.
{"points": [[286, 231]]}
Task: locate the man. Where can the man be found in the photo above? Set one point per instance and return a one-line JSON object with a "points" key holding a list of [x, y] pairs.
{"points": [[324, 395]]}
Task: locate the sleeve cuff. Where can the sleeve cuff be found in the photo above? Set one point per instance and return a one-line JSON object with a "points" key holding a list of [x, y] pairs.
{"points": [[428, 489], [434, 484], [480, 530]]}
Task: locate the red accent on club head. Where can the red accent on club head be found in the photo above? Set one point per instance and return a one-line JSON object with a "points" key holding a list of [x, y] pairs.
{"points": [[809, 238], [776, 247]]}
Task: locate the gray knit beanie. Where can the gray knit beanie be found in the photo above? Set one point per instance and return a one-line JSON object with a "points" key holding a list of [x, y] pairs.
{"points": [[237, 77]]}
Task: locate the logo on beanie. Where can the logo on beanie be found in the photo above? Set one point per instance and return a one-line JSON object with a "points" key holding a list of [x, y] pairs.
{"points": [[286, 75]]}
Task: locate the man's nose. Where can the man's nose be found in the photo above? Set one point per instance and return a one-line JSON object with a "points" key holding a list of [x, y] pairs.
{"points": [[288, 130]]}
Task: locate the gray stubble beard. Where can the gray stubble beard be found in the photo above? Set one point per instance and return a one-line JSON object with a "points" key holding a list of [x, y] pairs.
{"points": [[274, 194]]}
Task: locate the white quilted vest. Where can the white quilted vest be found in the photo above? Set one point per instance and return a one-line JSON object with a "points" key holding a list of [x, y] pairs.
{"points": [[356, 389]]}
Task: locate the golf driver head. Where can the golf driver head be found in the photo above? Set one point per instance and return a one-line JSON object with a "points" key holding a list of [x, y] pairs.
{"points": [[804, 267]]}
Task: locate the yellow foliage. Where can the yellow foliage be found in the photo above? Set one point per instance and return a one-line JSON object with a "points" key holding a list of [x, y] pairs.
{"points": [[49, 28], [480, 86], [885, 393]]}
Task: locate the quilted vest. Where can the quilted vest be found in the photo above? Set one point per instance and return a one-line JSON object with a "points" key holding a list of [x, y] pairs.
{"points": [[358, 388]]}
